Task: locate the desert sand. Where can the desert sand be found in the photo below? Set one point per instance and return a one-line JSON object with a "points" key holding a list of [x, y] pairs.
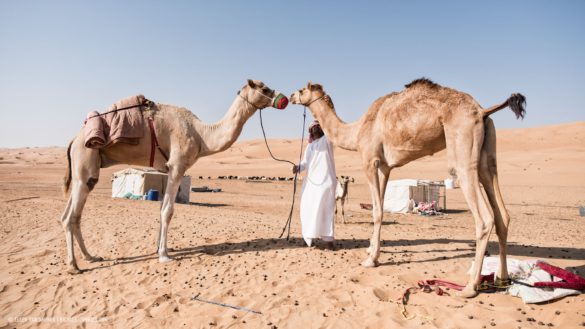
{"points": [[226, 248]]}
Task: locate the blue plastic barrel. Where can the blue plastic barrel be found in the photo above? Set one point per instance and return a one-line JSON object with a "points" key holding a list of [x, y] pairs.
{"points": [[152, 195]]}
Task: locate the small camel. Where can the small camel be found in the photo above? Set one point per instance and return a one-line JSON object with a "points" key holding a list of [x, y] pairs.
{"points": [[341, 193], [421, 120], [180, 134]]}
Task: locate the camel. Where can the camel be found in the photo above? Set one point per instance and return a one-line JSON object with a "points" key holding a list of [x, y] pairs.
{"points": [[421, 120], [181, 136], [341, 193]]}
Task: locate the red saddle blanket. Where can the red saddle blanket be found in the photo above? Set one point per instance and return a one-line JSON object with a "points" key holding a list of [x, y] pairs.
{"points": [[121, 123]]}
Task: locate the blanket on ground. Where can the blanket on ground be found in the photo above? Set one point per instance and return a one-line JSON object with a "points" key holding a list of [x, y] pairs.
{"points": [[526, 274], [121, 123]]}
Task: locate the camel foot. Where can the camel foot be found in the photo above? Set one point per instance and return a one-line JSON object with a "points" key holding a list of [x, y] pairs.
{"points": [[467, 292], [73, 270], [164, 259], [93, 259], [369, 262], [502, 283]]}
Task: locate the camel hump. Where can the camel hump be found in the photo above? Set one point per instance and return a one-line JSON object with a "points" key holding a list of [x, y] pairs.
{"points": [[424, 82]]}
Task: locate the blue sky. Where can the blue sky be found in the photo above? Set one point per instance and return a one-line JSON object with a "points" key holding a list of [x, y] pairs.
{"points": [[61, 59]]}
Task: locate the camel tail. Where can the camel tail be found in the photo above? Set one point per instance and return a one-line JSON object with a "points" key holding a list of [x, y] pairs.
{"points": [[67, 178], [516, 102]]}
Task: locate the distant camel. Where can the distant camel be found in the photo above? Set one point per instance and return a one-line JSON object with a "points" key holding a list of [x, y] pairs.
{"points": [[341, 193], [181, 135], [421, 120]]}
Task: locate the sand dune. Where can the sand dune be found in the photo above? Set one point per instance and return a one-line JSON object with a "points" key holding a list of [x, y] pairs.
{"points": [[226, 247]]}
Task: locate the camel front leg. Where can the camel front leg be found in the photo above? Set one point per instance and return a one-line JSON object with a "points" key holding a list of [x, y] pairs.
{"points": [[166, 212], [342, 201], [371, 171], [383, 175]]}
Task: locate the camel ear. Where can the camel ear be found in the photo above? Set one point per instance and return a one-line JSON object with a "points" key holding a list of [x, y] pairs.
{"points": [[309, 85], [251, 83]]}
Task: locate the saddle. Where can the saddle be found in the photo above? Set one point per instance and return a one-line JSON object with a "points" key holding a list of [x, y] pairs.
{"points": [[121, 123]]}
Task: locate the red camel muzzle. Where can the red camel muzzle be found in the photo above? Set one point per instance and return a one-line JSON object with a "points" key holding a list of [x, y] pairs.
{"points": [[280, 102]]}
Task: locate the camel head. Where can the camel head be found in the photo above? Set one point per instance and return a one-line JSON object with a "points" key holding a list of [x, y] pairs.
{"points": [[310, 94], [346, 179], [257, 94]]}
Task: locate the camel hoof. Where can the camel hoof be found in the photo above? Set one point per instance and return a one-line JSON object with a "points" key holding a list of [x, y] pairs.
{"points": [[369, 263], [74, 270], [502, 284], [467, 293], [94, 259], [164, 259]]}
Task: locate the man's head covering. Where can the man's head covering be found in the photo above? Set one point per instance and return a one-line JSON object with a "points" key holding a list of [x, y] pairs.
{"points": [[313, 124], [315, 131]]}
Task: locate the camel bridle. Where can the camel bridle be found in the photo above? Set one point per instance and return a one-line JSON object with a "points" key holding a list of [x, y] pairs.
{"points": [[256, 91], [311, 102]]}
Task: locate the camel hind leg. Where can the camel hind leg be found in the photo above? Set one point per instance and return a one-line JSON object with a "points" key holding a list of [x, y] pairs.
{"points": [[84, 167], [488, 175], [467, 150]]}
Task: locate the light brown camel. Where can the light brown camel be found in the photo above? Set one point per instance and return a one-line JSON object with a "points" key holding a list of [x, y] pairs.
{"points": [[421, 120], [341, 193], [181, 135]]}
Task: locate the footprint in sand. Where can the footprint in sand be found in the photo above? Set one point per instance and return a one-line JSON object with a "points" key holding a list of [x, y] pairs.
{"points": [[381, 294], [32, 282]]}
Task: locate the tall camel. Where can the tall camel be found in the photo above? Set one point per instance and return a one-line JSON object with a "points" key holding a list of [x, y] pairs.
{"points": [[421, 120], [181, 136]]}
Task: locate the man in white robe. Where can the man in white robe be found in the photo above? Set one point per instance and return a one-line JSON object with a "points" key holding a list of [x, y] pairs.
{"points": [[318, 192]]}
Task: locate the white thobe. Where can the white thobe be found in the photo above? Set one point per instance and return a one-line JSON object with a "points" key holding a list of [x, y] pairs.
{"points": [[318, 193]]}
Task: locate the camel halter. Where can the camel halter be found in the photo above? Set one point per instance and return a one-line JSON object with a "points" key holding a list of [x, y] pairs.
{"points": [[278, 102], [313, 101]]}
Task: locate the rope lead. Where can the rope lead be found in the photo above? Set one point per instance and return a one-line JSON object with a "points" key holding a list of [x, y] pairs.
{"points": [[289, 219]]}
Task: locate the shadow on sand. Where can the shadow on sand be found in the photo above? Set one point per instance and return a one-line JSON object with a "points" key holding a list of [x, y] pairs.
{"points": [[210, 205], [405, 246]]}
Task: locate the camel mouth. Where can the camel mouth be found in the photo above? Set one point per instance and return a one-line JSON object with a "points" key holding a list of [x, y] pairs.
{"points": [[294, 99]]}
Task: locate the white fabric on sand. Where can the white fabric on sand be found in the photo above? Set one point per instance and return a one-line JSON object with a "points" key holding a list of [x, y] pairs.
{"points": [[318, 192], [526, 271]]}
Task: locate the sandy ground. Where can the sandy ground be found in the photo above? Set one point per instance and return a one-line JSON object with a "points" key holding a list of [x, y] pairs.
{"points": [[226, 246]]}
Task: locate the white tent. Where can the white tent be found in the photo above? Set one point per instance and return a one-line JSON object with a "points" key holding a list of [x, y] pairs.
{"points": [[139, 181], [402, 195]]}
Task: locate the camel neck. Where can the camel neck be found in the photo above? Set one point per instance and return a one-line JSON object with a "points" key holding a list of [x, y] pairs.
{"points": [[221, 135], [338, 132]]}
